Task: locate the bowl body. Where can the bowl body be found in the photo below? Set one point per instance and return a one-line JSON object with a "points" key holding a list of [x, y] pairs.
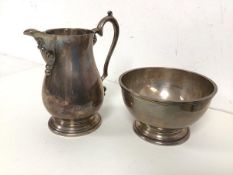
{"points": [[166, 99]]}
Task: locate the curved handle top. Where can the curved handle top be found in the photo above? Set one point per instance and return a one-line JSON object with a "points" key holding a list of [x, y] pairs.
{"points": [[99, 30]]}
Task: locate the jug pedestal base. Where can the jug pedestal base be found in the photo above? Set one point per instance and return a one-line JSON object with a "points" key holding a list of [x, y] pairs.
{"points": [[67, 127], [161, 136]]}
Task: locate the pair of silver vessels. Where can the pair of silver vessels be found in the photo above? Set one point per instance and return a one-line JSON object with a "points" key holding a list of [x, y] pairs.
{"points": [[163, 101]]}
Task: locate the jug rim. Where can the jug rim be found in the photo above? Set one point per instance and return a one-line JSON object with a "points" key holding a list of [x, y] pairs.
{"points": [[68, 31]]}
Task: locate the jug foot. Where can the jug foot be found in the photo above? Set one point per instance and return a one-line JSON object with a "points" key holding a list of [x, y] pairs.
{"points": [[67, 127], [161, 136]]}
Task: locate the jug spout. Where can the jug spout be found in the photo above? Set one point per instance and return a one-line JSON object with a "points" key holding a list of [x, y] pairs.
{"points": [[33, 32], [46, 48]]}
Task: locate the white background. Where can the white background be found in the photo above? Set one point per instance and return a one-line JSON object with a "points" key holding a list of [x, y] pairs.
{"points": [[196, 35]]}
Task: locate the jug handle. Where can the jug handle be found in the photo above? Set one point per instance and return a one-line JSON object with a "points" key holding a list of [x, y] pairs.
{"points": [[99, 31]]}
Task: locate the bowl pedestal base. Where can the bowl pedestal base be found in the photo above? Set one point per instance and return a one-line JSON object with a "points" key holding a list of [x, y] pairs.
{"points": [[161, 136], [74, 127]]}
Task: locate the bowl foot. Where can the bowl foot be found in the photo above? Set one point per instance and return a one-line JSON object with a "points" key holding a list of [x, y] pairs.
{"points": [[68, 127], [161, 136]]}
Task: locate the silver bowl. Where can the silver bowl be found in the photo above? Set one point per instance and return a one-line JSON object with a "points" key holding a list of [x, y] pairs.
{"points": [[165, 102]]}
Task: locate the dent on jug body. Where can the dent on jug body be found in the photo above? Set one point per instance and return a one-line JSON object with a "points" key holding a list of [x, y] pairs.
{"points": [[74, 89]]}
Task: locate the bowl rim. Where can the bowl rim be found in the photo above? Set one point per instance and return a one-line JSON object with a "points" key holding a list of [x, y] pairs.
{"points": [[211, 95]]}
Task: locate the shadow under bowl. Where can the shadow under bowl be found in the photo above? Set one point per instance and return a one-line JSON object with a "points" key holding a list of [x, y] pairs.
{"points": [[165, 101]]}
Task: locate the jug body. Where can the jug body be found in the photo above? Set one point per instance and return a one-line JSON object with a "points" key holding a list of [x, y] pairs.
{"points": [[72, 89]]}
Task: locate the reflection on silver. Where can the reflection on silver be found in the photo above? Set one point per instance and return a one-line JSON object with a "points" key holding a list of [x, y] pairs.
{"points": [[164, 94], [153, 89], [181, 98]]}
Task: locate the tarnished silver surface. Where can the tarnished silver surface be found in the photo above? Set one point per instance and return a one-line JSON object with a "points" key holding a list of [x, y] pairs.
{"points": [[72, 89], [165, 101]]}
